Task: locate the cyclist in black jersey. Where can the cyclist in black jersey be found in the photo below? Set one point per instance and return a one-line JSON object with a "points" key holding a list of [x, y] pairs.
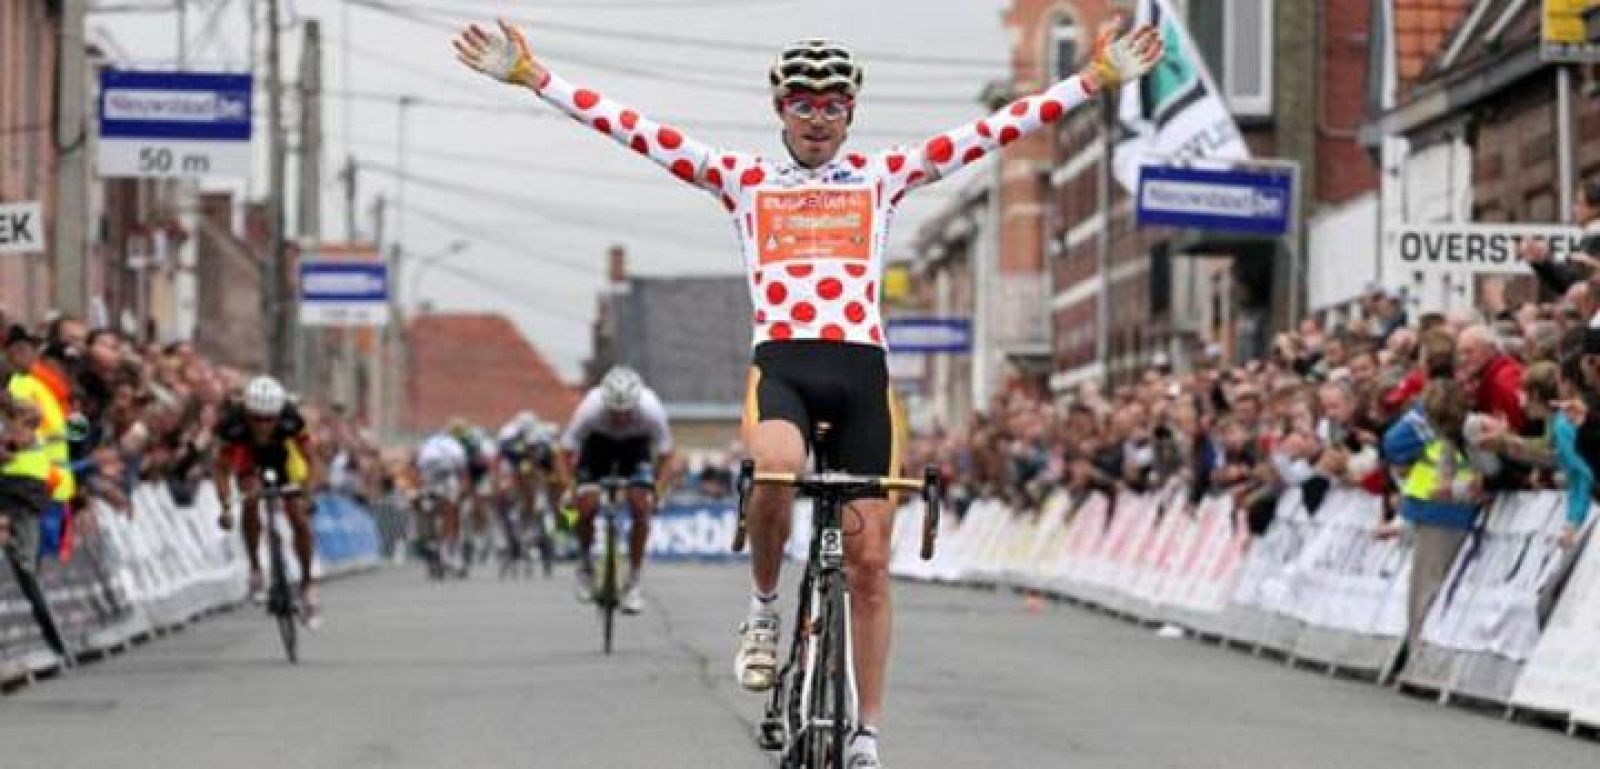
{"points": [[265, 431]]}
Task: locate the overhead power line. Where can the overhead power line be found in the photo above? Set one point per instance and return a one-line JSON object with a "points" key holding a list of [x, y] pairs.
{"points": [[558, 213], [418, 12]]}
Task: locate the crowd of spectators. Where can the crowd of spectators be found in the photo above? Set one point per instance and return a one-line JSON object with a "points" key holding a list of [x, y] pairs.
{"points": [[1328, 406], [130, 412], [1432, 415]]}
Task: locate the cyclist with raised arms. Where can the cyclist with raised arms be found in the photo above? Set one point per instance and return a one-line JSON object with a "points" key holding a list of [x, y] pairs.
{"points": [[812, 224]]}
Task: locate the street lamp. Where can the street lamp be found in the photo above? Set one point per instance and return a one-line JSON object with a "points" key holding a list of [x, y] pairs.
{"points": [[423, 262]]}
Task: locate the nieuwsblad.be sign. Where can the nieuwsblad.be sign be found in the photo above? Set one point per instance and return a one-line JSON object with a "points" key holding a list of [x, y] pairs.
{"points": [[1464, 250]]}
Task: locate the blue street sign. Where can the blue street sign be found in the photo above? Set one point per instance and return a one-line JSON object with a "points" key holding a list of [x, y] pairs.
{"points": [[1259, 202], [162, 125], [344, 293], [929, 334], [174, 105]]}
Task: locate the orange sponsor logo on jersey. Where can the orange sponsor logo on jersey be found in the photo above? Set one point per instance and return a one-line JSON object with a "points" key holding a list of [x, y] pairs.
{"points": [[814, 224]]}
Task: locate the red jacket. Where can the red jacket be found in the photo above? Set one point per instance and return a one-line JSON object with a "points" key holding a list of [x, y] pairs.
{"points": [[1500, 391], [1399, 398]]}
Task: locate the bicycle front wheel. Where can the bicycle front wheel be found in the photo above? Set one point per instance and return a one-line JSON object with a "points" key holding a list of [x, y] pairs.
{"points": [[608, 586], [287, 630]]}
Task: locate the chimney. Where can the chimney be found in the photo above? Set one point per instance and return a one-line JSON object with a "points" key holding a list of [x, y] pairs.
{"points": [[216, 208], [257, 225], [617, 268]]}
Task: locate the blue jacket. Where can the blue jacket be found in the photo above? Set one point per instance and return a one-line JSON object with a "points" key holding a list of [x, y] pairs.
{"points": [[1580, 477], [1403, 445]]}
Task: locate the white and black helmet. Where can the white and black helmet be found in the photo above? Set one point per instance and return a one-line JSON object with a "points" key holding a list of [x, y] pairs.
{"points": [[620, 389], [814, 65], [264, 397]]}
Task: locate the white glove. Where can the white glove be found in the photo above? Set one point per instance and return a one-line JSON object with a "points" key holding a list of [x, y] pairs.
{"points": [[503, 56], [1118, 60]]}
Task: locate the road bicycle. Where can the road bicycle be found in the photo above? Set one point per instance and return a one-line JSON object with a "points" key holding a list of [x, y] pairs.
{"points": [[814, 706]]}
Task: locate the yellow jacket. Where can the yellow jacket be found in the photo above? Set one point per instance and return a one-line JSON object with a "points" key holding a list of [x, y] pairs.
{"points": [[49, 459]]}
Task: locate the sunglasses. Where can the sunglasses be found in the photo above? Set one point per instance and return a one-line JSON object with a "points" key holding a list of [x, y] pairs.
{"points": [[808, 107]]}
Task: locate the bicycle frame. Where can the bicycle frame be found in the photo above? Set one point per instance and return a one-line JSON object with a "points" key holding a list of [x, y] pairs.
{"points": [[608, 597]]}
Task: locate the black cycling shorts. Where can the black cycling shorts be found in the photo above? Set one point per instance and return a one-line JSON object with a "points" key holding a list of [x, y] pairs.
{"points": [[602, 456], [845, 386]]}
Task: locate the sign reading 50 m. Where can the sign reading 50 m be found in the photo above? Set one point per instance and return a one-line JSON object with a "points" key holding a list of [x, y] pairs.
{"points": [[174, 124]]}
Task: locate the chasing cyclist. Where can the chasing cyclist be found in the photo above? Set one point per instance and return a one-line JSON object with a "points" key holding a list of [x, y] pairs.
{"points": [[813, 225], [442, 467], [525, 476], [479, 451], [619, 429], [265, 431]]}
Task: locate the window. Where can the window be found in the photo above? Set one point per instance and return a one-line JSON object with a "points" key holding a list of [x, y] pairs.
{"points": [[1063, 53], [1160, 279], [1236, 40]]}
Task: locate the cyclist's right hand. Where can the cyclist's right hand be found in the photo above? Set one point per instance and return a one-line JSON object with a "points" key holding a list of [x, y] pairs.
{"points": [[505, 56]]}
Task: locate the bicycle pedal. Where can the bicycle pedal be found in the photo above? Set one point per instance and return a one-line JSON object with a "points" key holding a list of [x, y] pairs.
{"points": [[769, 735]]}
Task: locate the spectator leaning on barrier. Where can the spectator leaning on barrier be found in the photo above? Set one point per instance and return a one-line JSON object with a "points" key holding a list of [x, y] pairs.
{"points": [[1558, 404], [49, 460], [1440, 492], [1493, 379]]}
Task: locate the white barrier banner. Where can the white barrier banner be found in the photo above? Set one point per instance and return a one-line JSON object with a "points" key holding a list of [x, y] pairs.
{"points": [[1206, 574], [1082, 538], [1563, 673], [1264, 579], [1348, 576], [1489, 603]]}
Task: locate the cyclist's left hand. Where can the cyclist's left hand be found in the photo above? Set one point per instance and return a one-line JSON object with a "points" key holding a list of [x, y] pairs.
{"points": [[1121, 58]]}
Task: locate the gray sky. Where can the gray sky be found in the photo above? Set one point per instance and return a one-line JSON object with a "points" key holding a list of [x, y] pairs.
{"points": [[540, 198]]}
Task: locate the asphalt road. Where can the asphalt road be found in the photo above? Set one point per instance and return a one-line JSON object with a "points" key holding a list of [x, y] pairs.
{"points": [[487, 674]]}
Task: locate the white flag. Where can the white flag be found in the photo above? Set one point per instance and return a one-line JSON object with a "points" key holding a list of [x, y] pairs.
{"points": [[1176, 112]]}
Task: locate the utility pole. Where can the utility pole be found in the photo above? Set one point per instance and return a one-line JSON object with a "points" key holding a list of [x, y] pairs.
{"points": [[275, 280], [72, 186], [377, 399], [183, 35], [399, 355], [1564, 141], [348, 177], [310, 359]]}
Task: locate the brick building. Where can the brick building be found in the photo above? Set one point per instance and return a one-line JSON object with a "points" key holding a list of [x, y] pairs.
{"points": [[1470, 133], [229, 265], [1293, 72], [479, 367], [29, 30]]}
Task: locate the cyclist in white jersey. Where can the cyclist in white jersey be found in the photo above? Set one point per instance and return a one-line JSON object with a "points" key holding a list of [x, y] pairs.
{"points": [[812, 226], [619, 429], [442, 466]]}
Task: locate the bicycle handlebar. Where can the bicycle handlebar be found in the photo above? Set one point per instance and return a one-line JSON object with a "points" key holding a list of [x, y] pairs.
{"points": [[931, 486], [812, 482], [281, 492]]}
